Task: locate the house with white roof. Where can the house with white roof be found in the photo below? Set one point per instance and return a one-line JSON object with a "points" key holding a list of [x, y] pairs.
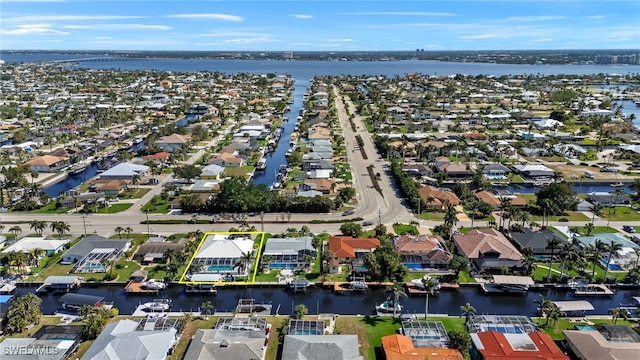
{"points": [[220, 254], [534, 170], [124, 171], [27, 244]]}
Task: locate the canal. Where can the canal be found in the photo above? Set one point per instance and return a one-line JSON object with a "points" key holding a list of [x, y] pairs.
{"points": [[325, 301], [278, 156]]}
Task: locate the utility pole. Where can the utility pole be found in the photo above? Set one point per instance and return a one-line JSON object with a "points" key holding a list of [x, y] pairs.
{"points": [[262, 221], [148, 229], [379, 217], [84, 224]]}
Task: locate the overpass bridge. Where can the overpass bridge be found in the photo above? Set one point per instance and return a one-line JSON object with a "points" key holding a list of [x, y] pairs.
{"points": [[95, 59]]}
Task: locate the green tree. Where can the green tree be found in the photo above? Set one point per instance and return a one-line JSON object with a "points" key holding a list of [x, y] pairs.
{"points": [[468, 312], [38, 226], [612, 250], [119, 230], [351, 228], [23, 311], [460, 340], [187, 172], [552, 244], [61, 227], [430, 286], [459, 264], [617, 313], [560, 196], [206, 309], [396, 292], [300, 311]]}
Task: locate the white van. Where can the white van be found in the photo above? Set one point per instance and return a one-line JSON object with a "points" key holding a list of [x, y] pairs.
{"points": [[589, 175]]}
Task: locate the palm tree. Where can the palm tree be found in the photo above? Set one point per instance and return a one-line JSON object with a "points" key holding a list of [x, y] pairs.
{"points": [[450, 218], [35, 255], [61, 227], [617, 192], [617, 313], [396, 292], [567, 252], [128, 230], [547, 206], [505, 203], [528, 261], [554, 313], [596, 209], [552, 244], [612, 248], [589, 227], [430, 287], [468, 312], [38, 226], [15, 230], [206, 309], [119, 230]]}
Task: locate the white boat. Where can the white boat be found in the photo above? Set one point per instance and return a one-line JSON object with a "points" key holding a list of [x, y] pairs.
{"points": [[419, 284], [388, 307], [157, 305], [505, 289], [154, 284], [358, 285], [261, 165], [618, 184]]}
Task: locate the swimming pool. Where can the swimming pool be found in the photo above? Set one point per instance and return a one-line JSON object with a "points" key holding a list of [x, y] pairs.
{"points": [[305, 332], [504, 329], [585, 327], [219, 268]]}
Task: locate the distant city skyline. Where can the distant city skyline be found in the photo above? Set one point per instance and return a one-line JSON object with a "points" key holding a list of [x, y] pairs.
{"points": [[319, 25]]}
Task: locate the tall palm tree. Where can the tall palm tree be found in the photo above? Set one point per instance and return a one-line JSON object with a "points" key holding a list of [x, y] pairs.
{"points": [[61, 227], [617, 193], [552, 244], [430, 287], [505, 203], [206, 309], [38, 226], [396, 292], [468, 312], [35, 255], [15, 230], [128, 230], [612, 249], [596, 210], [617, 313], [567, 252], [119, 230], [589, 228], [528, 261]]}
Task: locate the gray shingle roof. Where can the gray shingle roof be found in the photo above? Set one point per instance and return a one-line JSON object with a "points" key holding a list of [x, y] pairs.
{"points": [[321, 347]]}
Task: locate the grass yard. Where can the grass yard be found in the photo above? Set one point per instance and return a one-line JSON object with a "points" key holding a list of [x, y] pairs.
{"points": [[239, 171], [571, 215], [432, 215], [133, 193], [50, 208], [603, 230], [44, 320], [542, 269], [157, 206], [370, 330], [273, 346], [465, 277], [622, 213], [555, 332], [400, 229], [112, 209]]}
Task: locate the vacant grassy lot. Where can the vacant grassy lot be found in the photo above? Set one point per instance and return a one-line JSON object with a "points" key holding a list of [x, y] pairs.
{"points": [[622, 213]]}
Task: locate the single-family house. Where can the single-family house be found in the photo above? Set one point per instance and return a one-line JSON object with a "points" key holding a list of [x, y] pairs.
{"points": [[346, 248], [325, 186], [488, 250], [321, 347], [94, 244], [495, 201], [226, 159], [124, 171], [401, 347], [77, 200], [493, 345], [604, 342], [231, 338], [172, 142], [419, 253], [495, 171], [27, 244], [455, 170], [220, 253], [288, 253], [144, 339], [53, 342], [536, 240], [46, 163], [606, 199], [212, 172], [320, 174], [534, 171], [437, 198], [109, 187]]}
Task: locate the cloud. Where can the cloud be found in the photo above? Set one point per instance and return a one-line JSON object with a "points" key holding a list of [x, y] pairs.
{"points": [[301, 16], [225, 17], [533, 18], [32, 29], [595, 17], [119, 27], [543, 40], [239, 41], [340, 40], [483, 36], [302, 44], [50, 18], [400, 13]]}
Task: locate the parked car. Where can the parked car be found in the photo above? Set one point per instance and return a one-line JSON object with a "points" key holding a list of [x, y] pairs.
{"points": [[347, 213], [367, 223], [630, 229], [608, 169], [563, 220]]}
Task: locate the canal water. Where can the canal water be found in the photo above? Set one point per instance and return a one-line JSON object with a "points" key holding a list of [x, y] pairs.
{"points": [[320, 300], [278, 156]]}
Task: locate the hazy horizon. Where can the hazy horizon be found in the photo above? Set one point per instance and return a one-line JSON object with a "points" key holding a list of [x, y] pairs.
{"points": [[305, 26]]}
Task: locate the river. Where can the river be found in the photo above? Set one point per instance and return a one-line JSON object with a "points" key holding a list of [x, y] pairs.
{"points": [[325, 301]]}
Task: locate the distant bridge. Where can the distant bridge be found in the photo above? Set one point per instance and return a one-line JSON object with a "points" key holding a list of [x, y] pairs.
{"points": [[94, 59]]}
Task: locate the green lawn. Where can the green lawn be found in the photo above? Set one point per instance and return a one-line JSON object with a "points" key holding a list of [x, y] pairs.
{"points": [[555, 331], [622, 213], [465, 277], [603, 230], [190, 330], [239, 170], [157, 205], [400, 229], [112, 209], [571, 215], [542, 269], [50, 208], [431, 215], [133, 193]]}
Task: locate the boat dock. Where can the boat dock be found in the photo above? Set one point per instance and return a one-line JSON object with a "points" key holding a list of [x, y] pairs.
{"points": [[347, 288], [60, 284], [299, 285], [134, 287], [592, 290]]}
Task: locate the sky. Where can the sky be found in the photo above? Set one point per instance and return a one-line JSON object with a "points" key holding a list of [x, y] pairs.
{"points": [[319, 25]]}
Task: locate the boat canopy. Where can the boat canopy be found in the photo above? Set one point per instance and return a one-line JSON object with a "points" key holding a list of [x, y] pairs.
{"points": [[511, 279], [80, 299], [576, 305]]}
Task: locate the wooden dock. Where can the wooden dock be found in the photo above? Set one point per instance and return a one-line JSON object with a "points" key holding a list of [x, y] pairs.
{"points": [[138, 288], [344, 288]]}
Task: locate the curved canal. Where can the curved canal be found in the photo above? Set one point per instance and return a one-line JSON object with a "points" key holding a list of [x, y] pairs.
{"points": [[320, 300]]}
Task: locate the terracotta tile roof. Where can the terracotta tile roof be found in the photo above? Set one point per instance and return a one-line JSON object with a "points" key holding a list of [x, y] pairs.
{"points": [[447, 197], [44, 160], [497, 346], [400, 347], [429, 245], [346, 246], [488, 198], [481, 241], [163, 155]]}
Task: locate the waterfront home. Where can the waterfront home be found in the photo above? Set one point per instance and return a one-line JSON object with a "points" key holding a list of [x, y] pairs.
{"points": [[320, 174], [488, 250], [321, 347], [313, 161], [109, 187], [534, 171], [93, 248], [46, 163], [172, 142], [203, 186], [154, 249], [159, 158], [624, 259], [220, 254], [212, 172], [437, 198], [226, 159], [325, 186], [493, 345], [79, 199], [349, 250], [231, 338], [28, 244], [124, 171], [604, 342], [454, 170], [536, 240], [606, 199], [495, 171], [288, 253], [423, 252], [401, 347], [150, 338], [491, 199], [54, 342]]}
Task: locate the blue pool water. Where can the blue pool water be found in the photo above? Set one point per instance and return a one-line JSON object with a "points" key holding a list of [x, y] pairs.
{"points": [[219, 268], [585, 327], [614, 267], [281, 265], [505, 329], [305, 332]]}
